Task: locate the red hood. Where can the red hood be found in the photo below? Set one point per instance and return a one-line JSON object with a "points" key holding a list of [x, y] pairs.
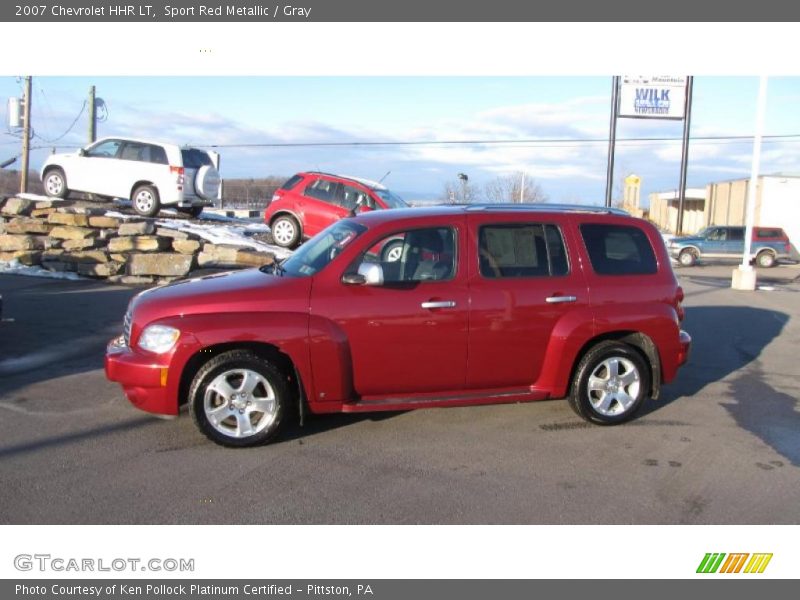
{"points": [[238, 291]]}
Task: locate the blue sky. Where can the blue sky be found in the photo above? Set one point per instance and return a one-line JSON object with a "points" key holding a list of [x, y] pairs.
{"points": [[251, 110]]}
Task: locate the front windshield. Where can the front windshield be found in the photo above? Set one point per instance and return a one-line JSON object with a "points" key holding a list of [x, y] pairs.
{"points": [[390, 199], [314, 255], [703, 232]]}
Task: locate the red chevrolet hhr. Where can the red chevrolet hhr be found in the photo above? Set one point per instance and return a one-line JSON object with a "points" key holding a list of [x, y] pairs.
{"points": [[485, 304]]}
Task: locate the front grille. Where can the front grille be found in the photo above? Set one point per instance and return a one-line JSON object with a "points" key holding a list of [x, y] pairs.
{"points": [[126, 328]]}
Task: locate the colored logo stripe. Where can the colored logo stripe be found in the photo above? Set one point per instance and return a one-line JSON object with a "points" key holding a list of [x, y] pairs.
{"points": [[733, 564], [758, 563]]}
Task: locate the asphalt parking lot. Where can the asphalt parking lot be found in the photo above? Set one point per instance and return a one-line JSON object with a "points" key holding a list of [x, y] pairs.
{"points": [[721, 446]]}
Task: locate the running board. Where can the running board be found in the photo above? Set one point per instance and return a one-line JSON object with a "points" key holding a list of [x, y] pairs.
{"points": [[467, 399]]}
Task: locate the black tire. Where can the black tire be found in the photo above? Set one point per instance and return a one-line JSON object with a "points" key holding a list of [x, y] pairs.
{"points": [[285, 231], [55, 183], [688, 257], [390, 249], [203, 400], [766, 259], [146, 201], [587, 401]]}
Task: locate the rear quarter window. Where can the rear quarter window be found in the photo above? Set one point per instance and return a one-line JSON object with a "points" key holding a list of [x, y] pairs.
{"points": [[769, 234], [618, 249], [291, 182]]}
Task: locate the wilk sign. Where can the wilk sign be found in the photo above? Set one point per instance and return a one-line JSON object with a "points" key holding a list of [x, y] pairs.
{"points": [[653, 97]]}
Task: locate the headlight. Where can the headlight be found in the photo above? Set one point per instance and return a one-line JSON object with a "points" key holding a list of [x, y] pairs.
{"points": [[158, 338]]}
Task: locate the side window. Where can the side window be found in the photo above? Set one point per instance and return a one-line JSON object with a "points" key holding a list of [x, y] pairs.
{"points": [[349, 197], [735, 235], [521, 250], [415, 256], [107, 149], [132, 151], [618, 250], [717, 235], [155, 154], [322, 189]]}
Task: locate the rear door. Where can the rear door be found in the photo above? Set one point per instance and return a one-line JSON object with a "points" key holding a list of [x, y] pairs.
{"points": [[318, 205], [523, 282]]}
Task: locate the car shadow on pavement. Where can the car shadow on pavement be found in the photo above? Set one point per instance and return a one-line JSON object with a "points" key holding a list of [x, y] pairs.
{"points": [[315, 424], [728, 340], [52, 329]]}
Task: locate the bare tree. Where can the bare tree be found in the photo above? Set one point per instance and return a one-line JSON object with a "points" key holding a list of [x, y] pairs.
{"points": [[515, 187], [459, 191]]}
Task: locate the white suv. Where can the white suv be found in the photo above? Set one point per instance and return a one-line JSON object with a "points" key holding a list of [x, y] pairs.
{"points": [[151, 174]]}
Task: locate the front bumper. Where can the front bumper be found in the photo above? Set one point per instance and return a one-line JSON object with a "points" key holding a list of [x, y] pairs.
{"points": [[145, 379]]}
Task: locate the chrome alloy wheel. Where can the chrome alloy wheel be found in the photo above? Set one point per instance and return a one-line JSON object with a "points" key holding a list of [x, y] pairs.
{"points": [[614, 386], [283, 232], [144, 201], [54, 184], [240, 403], [394, 254]]}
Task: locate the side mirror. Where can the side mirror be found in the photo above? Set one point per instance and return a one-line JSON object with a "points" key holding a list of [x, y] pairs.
{"points": [[368, 274], [82, 152]]}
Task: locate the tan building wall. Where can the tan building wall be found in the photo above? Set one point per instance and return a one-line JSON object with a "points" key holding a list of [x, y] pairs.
{"points": [[726, 202]]}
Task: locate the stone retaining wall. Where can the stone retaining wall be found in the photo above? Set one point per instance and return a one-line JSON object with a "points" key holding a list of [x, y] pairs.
{"points": [[72, 236]]}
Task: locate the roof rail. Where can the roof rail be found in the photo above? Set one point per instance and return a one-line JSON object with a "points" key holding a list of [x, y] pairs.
{"points": [[545, 207]]}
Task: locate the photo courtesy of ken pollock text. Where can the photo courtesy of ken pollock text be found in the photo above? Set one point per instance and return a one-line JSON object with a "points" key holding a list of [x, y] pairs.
{"points": [[193, 589]]}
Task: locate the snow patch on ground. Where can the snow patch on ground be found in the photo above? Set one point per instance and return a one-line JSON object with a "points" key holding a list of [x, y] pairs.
{"points": [[15, 268], [37, 197]]}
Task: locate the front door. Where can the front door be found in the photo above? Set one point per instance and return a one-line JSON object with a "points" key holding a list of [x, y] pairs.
{"points": [[408, 335]]}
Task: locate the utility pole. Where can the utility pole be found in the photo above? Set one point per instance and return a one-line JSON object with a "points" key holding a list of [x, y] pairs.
{"points": [[687, 122], [522, 189], [26, 137], [612, 138], [92, 116]]}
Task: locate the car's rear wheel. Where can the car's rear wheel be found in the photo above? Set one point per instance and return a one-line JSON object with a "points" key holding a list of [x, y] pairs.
{"points": [[146, 201], [55, 183], [285, 231], [765, 259], [687, 257], [610, 384], [239, 399]]}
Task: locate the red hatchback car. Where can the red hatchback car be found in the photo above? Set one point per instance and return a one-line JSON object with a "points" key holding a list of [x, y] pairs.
{"points": [[308, 202], [486, 304]]}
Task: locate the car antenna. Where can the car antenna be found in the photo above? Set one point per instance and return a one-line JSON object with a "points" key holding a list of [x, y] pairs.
{"points": [[384, 177]]}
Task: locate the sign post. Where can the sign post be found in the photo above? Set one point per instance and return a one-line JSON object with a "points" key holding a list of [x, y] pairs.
{"points": [[652, 97]]}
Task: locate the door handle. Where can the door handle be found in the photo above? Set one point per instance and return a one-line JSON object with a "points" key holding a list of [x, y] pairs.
{"points": [[560, 299], [438, 304]]}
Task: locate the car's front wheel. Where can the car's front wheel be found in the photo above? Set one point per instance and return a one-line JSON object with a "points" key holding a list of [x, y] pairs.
{"points": [[146, 201], [239, 399], [687, 257], [55, 183], [393, 251], [285, 231], [610, 384]]}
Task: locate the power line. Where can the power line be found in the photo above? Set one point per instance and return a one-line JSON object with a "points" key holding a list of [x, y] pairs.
{"points": [[53, 141], [531, 142]]}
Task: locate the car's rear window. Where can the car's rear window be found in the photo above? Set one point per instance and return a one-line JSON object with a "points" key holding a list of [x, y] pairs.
{"points": [[194, 158], [291, 182], [618, 249]]}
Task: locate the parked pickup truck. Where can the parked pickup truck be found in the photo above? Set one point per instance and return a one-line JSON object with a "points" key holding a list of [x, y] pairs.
{"points": [[727, 243], [486, 304]]}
